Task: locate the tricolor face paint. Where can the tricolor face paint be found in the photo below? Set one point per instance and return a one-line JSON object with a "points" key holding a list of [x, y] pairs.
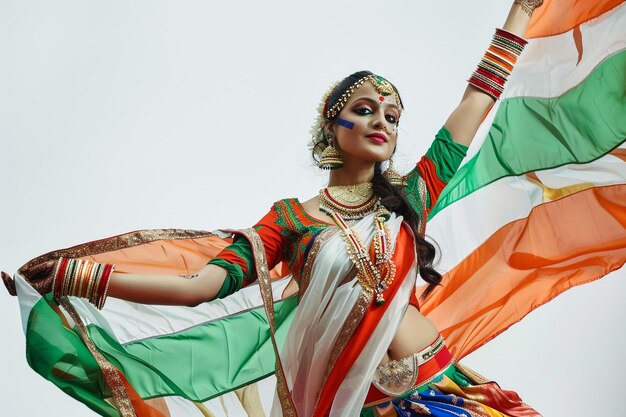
{"points": [[345, 123]]}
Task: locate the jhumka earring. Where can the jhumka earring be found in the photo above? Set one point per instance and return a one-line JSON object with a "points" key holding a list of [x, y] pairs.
{"points": [[393, 176], [330, 157]]}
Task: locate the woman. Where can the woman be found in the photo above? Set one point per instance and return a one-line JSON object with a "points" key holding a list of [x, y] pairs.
{"points": [[382, 112]]}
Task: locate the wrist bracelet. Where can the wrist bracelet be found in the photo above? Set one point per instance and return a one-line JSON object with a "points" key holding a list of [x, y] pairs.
{"points": [[82, 278], [497, 63]]}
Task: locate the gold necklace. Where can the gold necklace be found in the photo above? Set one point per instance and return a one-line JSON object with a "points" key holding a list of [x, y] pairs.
{"points": [[377, 275], [353, 202]]}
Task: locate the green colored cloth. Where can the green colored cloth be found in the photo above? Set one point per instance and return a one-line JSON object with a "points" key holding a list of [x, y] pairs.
{"points": [[446, 154], [234, 277]]}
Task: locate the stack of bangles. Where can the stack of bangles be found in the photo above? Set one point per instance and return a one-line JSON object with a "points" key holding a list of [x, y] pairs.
{"points": [[498, 62], [82, 278]]}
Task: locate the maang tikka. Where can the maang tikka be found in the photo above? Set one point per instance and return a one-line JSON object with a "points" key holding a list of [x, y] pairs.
{"points": [[330, 158]]}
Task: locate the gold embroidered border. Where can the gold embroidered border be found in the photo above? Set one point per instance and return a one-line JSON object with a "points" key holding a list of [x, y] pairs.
{"points": [[312, 256], [345, 334], [265, 285], [421, 186], [116, 386], [116, 243]]}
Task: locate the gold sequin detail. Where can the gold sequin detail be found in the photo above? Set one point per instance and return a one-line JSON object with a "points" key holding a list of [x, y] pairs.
{"points": [[116, 243], [265, 285], [421, 186], [397, 377]]}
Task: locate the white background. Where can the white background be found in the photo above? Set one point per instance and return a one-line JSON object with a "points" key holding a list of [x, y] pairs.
{"points": [[125, 115]]}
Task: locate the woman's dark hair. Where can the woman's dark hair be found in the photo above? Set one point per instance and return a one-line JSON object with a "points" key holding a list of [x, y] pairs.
{"points": [[391, 196]]}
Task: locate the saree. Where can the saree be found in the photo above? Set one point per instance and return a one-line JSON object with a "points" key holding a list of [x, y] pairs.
{"points": [[205, 360], [568, 171]]}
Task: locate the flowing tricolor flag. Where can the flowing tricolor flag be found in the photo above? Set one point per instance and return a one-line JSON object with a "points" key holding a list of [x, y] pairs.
{"points": [[538, 207]]}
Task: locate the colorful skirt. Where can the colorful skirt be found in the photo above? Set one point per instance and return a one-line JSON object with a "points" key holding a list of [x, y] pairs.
{"points": [[442, 388]]}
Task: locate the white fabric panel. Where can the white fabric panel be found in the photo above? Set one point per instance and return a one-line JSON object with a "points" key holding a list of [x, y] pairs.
{"points": [[179, 407], [549, 66], [319, 319], [153, 320], [27, 297], [486, 210]]}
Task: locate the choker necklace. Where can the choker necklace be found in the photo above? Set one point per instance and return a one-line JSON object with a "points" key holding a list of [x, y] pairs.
{"points": [[353, 202]]}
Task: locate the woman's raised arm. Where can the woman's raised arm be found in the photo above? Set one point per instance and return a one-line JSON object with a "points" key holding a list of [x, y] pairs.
{"points": [[464, 121]]}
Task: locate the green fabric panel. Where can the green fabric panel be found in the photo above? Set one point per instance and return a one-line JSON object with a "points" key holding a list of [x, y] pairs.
{"points": [[530, 134], [234, 277], [203, 361], [446, 154], [59, 355]]}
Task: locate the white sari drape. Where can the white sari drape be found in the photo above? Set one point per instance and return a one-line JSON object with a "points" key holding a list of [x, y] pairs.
{"points": [[320, 316]]}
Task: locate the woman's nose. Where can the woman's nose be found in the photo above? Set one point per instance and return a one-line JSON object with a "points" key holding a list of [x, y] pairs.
{"points": [[378, 121]]}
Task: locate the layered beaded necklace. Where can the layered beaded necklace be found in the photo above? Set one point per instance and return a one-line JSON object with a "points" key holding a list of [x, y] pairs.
{"points": [[350, 203]]}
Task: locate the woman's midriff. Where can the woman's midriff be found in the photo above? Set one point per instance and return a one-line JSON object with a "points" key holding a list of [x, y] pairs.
{"points": [[414, 334]]}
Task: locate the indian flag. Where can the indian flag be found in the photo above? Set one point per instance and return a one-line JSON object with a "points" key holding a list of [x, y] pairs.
{"points": [[539, 205]]}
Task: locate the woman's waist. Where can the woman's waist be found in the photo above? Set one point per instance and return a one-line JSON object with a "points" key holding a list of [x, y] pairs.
{"points": [[414, 333], [398, 377]]}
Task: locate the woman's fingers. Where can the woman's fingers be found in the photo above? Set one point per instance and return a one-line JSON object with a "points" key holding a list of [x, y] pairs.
{"points": [[42, 270], [8, 283]]}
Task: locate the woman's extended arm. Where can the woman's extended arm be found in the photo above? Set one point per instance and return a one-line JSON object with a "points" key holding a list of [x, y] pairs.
{"points": [[169, 289], [191, 290], [464, 121]]}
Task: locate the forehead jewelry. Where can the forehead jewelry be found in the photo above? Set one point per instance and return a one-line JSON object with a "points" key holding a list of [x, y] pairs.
{"points": [[382, 86]]}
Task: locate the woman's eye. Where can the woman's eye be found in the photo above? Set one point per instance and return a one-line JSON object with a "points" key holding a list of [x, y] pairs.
{"points": [[363, 110], [391, 118]]}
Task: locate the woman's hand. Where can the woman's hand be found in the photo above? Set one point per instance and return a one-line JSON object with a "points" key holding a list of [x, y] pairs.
{"points": [[40, 277], [528, 6]]}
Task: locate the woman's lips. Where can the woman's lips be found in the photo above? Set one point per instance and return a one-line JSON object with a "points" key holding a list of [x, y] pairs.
{"points": [[377, 137]]}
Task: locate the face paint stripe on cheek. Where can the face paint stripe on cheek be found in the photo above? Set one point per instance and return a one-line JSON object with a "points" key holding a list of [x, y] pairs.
{"points": [[345, 123]]}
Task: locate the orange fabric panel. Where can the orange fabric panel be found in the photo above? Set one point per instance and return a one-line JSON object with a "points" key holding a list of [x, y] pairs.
{"points": [[176, 256], [559, 16], [528, 262], [170, 256], [403, 258]]}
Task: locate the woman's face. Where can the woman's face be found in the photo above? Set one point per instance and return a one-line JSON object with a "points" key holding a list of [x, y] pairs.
{"points": [[367, 127]]}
